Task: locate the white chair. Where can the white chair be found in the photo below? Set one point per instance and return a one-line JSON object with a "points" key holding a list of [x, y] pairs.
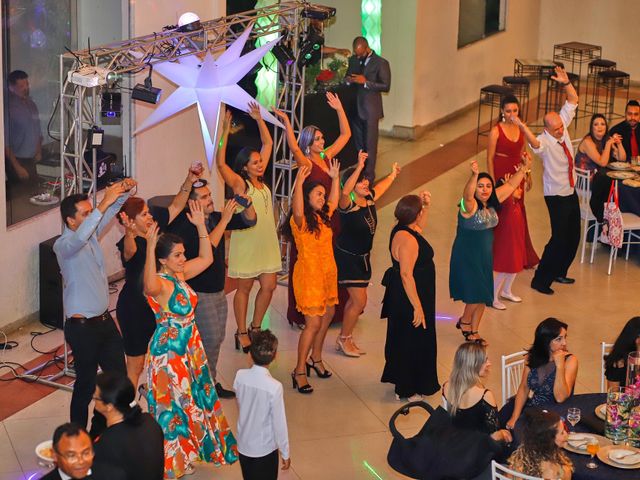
{"points": [[512, 367], [605, 348], [500, 472], [583, 189], [630, 224]]}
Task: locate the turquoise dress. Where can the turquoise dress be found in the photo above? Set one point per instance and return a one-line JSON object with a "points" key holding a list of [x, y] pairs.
{"points": [[471, 265], [182, 397]]}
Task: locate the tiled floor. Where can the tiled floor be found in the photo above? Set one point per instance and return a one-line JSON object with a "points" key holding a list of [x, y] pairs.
{"points": [[340, 431]]}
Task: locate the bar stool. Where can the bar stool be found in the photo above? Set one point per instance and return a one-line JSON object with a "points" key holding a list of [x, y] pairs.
{"points": [[555, 96], [520, 87], [594, 68], [608, 83], [490, 96]]}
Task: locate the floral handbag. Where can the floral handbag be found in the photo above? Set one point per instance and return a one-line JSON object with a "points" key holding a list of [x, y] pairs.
{"points": [[612, 231]]}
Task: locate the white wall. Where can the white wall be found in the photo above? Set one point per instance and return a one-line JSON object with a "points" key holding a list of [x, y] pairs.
{"points": [[612, 25]]}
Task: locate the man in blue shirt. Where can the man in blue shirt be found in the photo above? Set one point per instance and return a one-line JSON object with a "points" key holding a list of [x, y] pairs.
{"points": [[89, 329]]}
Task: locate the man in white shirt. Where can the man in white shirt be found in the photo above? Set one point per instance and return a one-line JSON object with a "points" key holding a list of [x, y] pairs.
{"points": [[262, 424], [554, 147]]}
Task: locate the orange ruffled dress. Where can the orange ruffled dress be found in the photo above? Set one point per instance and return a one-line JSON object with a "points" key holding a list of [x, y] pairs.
{"points": [[315, 276]]}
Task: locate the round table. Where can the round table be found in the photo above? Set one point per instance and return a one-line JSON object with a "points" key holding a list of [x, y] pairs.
{"points": [[589, 423]]}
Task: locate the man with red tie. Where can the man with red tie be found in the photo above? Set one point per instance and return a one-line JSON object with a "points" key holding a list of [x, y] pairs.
{"points": [[554, 148], [628, 130]]}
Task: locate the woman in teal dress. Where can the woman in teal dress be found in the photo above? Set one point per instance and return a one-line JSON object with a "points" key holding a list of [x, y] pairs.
{"points": [[471, 267], [182, 397]]}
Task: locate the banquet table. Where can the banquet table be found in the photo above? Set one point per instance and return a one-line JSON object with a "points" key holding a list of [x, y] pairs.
{"points": [[629, 197], [589, 423]]}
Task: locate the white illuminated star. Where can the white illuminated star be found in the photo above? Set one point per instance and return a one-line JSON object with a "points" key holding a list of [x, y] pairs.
{"points": [[208, 84]]}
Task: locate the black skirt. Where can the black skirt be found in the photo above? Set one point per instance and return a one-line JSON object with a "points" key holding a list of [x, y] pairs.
{"points": [[353, 270]]}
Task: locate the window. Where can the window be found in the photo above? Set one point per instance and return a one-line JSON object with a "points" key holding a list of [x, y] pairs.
{"points": [[35, 33], [479, 19]]}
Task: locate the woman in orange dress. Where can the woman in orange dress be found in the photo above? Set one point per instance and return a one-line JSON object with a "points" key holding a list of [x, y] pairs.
{"points": [[315, 276]]}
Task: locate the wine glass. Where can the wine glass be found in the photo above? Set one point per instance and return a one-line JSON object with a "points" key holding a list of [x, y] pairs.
{"points": [[573, 416], [592, 448]]}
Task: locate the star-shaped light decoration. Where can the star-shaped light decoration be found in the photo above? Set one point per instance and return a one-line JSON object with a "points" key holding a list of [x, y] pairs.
{"points": [[208, 84]]}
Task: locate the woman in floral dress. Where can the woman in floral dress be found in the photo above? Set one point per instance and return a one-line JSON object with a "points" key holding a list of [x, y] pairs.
{"points": [[182, 397]]}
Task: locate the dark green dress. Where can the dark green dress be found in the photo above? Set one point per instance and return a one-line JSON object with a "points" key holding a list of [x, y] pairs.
{"points": [[471, 265]]}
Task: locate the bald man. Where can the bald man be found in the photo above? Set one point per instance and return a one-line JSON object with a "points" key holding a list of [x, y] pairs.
{"points": [[554, 148], [371, 75]]}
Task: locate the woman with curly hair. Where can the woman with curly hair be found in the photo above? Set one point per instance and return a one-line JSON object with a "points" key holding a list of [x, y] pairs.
{"points": [[550, 371], [540, 453], [315, 276], [616, 362]]}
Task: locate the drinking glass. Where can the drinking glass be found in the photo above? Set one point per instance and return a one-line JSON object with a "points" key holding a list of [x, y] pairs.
{"points": [[592, 448], [573, 417]]}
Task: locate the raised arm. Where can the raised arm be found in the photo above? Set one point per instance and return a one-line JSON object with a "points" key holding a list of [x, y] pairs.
{"points": [[562, 78], [180, 199], [230, 177], [383, 185], [505, 190], [218, 231], [265, 136], [345, 130], [334, 194], [152, 282], [196, 266], [468, 204], [531, 138], [130, 233], [297, 203], [301, 158], [350, 184]]}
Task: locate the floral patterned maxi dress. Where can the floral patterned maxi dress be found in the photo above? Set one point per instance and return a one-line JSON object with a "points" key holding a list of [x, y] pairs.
{"points": [[182, 397]]}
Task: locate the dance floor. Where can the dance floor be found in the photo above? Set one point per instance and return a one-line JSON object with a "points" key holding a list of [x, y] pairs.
{"points": [[340, 431]]}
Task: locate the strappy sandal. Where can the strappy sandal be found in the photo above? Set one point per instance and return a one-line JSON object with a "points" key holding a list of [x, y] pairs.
{"points": [[479, 340], [465, 333]]}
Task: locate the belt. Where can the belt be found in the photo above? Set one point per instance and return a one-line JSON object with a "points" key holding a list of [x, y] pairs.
{"points": [[82, 320]]}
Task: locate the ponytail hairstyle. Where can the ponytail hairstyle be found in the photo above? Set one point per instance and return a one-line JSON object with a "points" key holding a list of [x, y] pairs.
{"points": [[116, 389]]}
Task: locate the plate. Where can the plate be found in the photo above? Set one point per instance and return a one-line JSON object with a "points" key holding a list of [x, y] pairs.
{"points": [[635, 168], [601, 411], [619, 165], [603, 455], [582, 449], [618, 175], [44, 451], [44, 199], [631, 182]]}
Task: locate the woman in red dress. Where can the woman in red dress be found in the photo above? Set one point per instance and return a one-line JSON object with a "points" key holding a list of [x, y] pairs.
{"points": [[309, 151], [512, 247]]}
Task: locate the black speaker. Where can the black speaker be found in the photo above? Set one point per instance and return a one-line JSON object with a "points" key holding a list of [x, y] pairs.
{"points": [[51, 310]]}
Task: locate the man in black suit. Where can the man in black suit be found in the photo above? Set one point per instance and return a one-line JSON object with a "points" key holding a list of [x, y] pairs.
{"points": [[73, 453], [628, 130], [371, 75]]}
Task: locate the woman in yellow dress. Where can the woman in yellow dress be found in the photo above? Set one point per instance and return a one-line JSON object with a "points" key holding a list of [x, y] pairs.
{"points": [[315, 276], [254, 253]]}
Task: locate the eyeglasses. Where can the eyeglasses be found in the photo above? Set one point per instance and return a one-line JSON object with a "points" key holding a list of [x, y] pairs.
{"points": [[73, 457]]}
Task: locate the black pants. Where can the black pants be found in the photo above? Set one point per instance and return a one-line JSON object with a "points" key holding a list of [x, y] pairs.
{"points": [[561, 249], [365, 136], [260, 468], [94, 342]]}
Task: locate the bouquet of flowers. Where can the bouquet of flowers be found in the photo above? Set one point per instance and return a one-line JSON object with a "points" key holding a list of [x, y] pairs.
{"points": [[325, 76]]}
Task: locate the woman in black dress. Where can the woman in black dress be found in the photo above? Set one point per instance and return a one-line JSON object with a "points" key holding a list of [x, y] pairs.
{"points": [[133, 441], [352, 248], [135, 318], [616, 361], [409, 304]]}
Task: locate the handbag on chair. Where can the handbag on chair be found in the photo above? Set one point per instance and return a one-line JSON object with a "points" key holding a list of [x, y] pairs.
{"points": [[612, 232]]}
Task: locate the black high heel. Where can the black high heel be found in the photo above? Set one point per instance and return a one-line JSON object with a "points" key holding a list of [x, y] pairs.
{"points": [[301, 388], [465, 333], [236, 337], [320, 373]]}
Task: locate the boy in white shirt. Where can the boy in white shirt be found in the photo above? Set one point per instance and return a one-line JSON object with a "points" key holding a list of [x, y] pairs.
{"points": [[262, 424]]}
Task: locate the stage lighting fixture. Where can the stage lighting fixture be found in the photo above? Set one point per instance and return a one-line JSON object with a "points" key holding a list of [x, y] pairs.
{"points": [[318, 12], [111, 104], [189, 22], [284, 55], [310, 49], [146, 92], [95, 136]]}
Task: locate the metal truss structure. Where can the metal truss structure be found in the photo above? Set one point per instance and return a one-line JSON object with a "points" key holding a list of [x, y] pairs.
{"points": [[80, 109]]}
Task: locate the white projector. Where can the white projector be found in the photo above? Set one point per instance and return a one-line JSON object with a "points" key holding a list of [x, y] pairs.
{"points": [[88, 76]]}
